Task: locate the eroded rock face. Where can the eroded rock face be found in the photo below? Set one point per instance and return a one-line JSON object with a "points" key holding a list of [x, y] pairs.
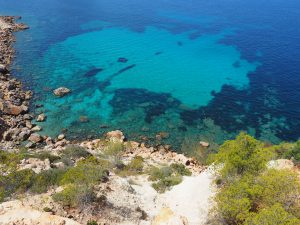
{"points": [[61, 91]]}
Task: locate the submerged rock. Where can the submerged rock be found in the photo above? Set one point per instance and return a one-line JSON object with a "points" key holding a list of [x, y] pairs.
{"points": [[61, 91], [41, 118], [93, 72], [83, 119], [122, 60]]}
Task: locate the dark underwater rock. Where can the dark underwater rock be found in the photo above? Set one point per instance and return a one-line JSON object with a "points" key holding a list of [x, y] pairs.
{"points": [[153, 104], [237, 64], [107, 82], [93, 72], [122, 60], [179, 43]]}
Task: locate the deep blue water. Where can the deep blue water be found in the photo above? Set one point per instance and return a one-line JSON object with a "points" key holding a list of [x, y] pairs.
{"points": [[198, 70]]}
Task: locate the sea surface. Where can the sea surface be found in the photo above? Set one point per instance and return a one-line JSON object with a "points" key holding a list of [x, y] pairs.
{"points": [[186, 70]]}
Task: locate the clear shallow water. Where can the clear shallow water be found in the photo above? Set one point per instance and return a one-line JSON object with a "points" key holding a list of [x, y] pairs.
{"points": [[196, 70]]}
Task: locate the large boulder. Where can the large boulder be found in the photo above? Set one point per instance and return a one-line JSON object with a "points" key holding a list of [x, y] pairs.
{"points": [[35, 138], [61, 91], [10, 109]]}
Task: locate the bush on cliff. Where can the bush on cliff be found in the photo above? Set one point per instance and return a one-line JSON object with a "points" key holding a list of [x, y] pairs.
{"points": [[15, 182], [165, 177], [46, 179], [113, 152], [79, 181], [72, 153], [135, 167], [244, 155], [250, 192]]}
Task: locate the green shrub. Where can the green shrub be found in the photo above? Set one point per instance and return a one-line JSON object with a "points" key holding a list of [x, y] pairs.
{"points": [[243, 155], [136, 164], [250, 193], [79, 182], [47, 209], [135, 167], [246, 197], [16, 182], [88, 171], [293, 152], [92, 222], [75, 195], [46, 179], [274, 215], [181, 169], [167, 176], [46, 155], [114, 151], [159, 173], [166, 183], [73, 152], [9, 161]]}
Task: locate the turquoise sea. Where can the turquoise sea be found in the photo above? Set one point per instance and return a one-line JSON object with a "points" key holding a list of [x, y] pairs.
{"points": [[194, 70]]}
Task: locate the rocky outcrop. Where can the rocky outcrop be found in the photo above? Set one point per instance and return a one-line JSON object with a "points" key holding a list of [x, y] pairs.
{"points": [[115, 136]]}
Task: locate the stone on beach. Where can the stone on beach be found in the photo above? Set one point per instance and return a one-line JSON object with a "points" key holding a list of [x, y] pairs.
{"points": [[61, 91]]}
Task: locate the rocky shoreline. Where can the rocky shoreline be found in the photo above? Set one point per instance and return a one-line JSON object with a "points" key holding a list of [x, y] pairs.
{"points": [[16, 124], [15, 121]]}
